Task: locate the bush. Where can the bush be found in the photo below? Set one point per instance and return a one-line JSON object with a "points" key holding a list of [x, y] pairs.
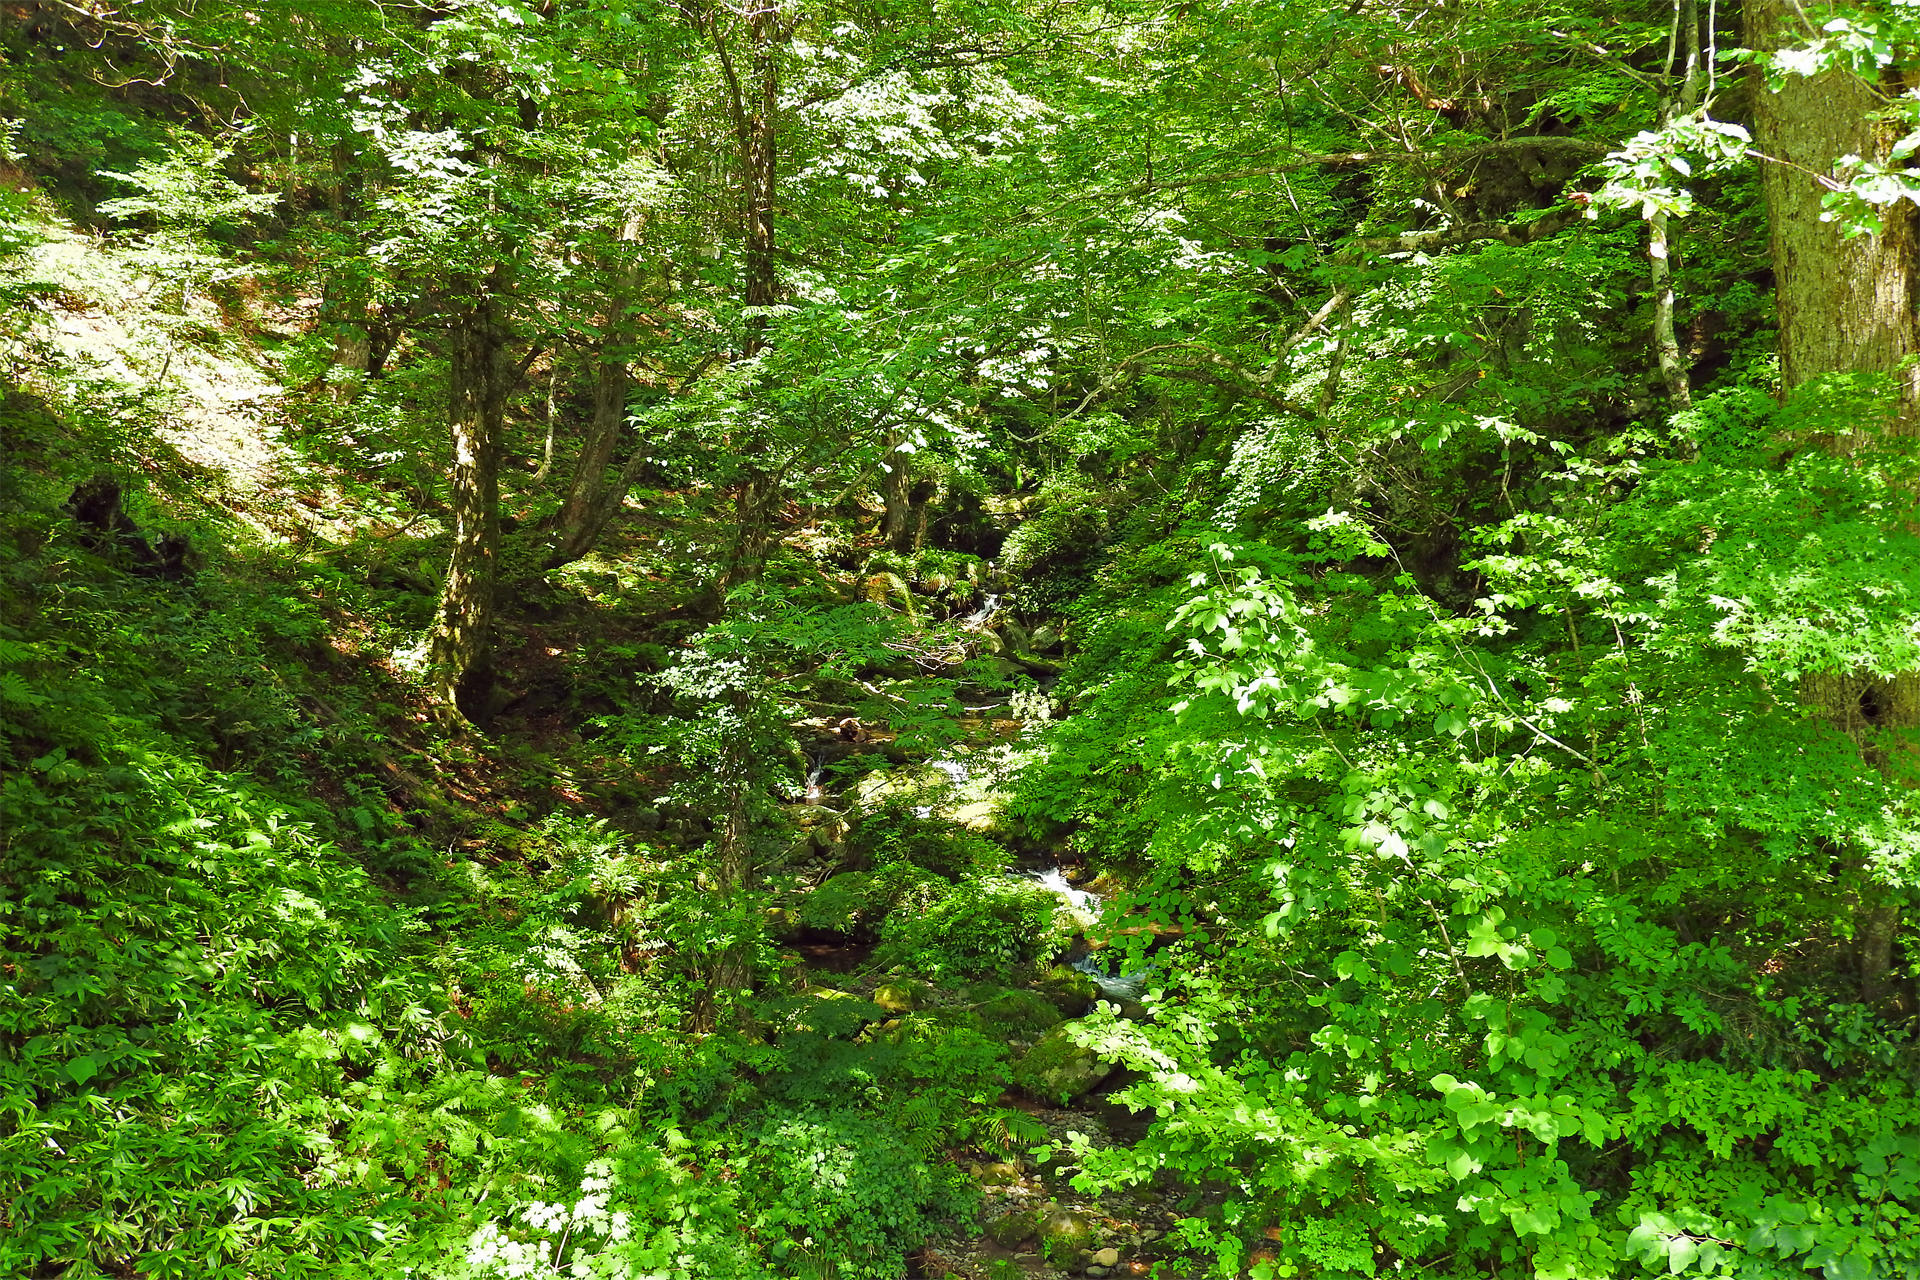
{"points": [[894, 835], [1074, 516], [984, 927], [855, 902], [846, 1195]]}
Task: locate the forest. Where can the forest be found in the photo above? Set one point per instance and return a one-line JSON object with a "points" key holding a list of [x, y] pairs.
{"points": [[967, 639]]}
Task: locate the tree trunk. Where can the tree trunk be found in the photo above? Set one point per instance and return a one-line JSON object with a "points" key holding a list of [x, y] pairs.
{"points": [[730, 972], [896, 491], [346, 304], [756, 501], [1684, 42], [760, 160], [1845, 305], [460, 648], [553, 422], [754, 105], [591, 501]]}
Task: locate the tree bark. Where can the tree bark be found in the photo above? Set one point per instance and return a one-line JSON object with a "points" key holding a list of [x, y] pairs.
{"points": [[1846, 305], [460, 647], [760, 162], [1660, 239], [896, 492], [591, 500]]}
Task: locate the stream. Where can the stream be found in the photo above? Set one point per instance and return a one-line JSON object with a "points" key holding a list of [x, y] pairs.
{"points": [[1023, 1201]]}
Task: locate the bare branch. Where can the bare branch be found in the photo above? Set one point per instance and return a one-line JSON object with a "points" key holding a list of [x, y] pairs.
{"points": [[1366, 159], [1508, 233]]}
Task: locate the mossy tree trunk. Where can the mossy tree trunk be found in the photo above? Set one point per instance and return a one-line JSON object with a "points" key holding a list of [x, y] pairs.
{"points": [[460, 646], [896, 492], [591, 500], [593, 497], [1846, 305]]}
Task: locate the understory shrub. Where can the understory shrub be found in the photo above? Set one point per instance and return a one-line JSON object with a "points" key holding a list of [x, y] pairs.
{"points": [[982, 927]]}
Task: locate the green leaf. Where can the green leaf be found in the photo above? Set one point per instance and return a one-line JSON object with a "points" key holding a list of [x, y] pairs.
{"points": [[82, 1068]]}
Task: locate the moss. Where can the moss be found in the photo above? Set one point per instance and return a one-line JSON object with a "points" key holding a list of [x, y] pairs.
{"points": [[1058, 1069], [1012, 1013]]}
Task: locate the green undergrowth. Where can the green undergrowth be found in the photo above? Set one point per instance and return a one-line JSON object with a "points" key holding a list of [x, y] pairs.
{"points": [[1531, 938], [264, 1016]]}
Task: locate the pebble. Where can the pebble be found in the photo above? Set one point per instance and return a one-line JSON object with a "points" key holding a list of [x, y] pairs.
{"points": [[1107, 1258]]}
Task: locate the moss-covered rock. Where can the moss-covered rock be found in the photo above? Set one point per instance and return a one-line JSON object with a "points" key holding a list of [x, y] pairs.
{"points": [[1067, 989], [940, 1020], [1011, 1230], [1010, 1013], [903, 995], [839, 1014], [998, 1173], [1058, 1069], [855, 902], [1064, 1232]]}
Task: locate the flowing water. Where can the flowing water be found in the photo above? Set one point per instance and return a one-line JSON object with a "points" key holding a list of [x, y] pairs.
{"points": [[1054, 881], [1112, 983], [981, 616]]}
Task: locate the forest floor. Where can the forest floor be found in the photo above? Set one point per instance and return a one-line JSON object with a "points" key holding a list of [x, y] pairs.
{"points": [[206, 419]]}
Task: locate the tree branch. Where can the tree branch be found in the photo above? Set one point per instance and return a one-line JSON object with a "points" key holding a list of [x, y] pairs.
{"points": [[1366, 159], [1508, 233]]}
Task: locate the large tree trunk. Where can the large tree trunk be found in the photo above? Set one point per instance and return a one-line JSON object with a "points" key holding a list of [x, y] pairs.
{"points": [[1845, 305], [460, 648], [896, 493], [591, 499]]}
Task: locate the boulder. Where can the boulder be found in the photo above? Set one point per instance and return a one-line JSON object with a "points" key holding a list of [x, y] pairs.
{"points": [[1037, 666], [1003, 669], [1068, 990], [1008, 1013], [836, 1014], [1058, 1069], [998, 1173], [1011, 1230], [917, 783], [1065, 1232], [981, 816]]}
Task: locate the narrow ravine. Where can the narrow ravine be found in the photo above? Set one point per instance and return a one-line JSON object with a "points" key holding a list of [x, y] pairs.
{"points": [[1031, 1222]]}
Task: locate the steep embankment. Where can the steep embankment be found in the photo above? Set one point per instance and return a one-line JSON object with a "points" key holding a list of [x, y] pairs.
{"points": [[299, 984]]}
